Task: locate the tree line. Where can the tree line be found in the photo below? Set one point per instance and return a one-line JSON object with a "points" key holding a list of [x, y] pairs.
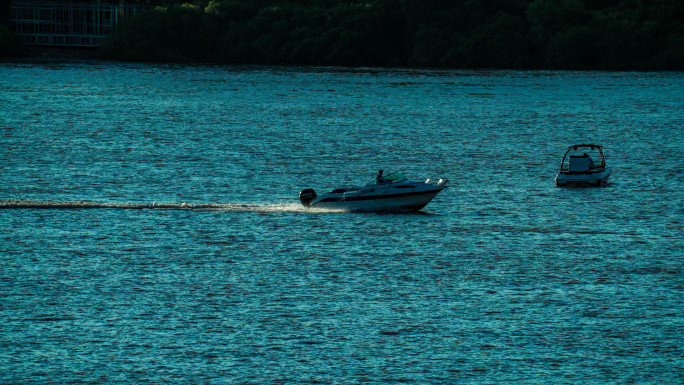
{"points": [[525, 34]]}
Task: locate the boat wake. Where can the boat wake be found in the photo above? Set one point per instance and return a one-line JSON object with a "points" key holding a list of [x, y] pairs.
{"points": [[232, 207]]}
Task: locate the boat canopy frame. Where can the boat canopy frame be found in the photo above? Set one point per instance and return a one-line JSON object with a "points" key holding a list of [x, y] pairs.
{"points": [[597, 168]]}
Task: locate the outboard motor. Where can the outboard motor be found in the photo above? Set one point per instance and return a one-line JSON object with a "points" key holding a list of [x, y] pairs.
{"points": [[307, 196]]}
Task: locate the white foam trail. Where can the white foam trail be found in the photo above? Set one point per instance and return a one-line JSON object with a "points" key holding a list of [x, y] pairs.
{"points": [[233, 207]]}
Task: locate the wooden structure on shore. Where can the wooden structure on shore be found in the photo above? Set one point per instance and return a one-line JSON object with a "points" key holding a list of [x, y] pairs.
{"points": [[68, 24]]}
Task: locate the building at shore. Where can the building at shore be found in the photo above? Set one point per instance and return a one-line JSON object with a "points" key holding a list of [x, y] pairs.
{"points": [[67, 24]]}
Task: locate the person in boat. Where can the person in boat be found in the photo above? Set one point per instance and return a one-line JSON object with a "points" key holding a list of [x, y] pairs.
{"points": [[380, 179]]}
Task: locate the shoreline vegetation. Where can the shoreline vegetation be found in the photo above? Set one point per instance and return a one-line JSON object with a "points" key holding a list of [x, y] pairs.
{"points": [[644, 35]]}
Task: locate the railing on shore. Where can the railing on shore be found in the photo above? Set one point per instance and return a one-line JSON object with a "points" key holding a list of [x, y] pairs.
{"points": [[68, 24]]}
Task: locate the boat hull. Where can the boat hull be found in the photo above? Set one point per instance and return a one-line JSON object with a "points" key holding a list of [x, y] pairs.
{"points": [[399, 202], [595, 179]]}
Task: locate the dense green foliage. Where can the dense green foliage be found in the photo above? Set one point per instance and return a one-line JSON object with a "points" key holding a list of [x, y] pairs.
{"points": [[572, 34]]}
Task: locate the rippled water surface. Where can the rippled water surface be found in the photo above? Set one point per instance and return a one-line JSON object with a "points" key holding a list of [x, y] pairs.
{"points": [[150, 230]]}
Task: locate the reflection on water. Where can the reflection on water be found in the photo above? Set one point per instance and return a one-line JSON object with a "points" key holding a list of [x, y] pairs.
{"points": [[150, 229]]}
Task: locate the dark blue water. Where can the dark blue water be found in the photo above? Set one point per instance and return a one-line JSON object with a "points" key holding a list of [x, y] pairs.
{"points": [[165, 242]]}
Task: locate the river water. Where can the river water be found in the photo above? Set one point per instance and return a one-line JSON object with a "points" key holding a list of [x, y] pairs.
{"points": [[150, 230]]}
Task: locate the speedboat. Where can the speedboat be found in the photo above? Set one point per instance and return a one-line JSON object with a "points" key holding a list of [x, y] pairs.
{"points": [[394, 193], [583, 165]]}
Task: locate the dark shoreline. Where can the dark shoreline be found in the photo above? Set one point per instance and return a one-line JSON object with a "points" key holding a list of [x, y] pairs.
{"points": [[615, 35], [52, 54], [57, 54]]}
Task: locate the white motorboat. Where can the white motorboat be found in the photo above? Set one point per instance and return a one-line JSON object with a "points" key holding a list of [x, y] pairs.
{"points": [[394, 192], [583, 165]]}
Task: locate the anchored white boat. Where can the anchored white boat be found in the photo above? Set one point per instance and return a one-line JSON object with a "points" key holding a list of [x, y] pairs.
{"points": [[583, 165], [394, 192]]}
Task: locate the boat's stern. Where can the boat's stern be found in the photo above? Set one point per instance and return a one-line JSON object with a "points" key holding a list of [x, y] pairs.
{"points": [[307, 196], [595, 179]]}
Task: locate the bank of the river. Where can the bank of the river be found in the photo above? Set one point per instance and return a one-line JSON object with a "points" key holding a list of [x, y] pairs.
{"points": [[62, 52], [519, 34], [43, 54], [516, 34]]}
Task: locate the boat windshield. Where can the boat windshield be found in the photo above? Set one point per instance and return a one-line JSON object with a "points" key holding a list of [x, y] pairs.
{"points": [[390, 178]]}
